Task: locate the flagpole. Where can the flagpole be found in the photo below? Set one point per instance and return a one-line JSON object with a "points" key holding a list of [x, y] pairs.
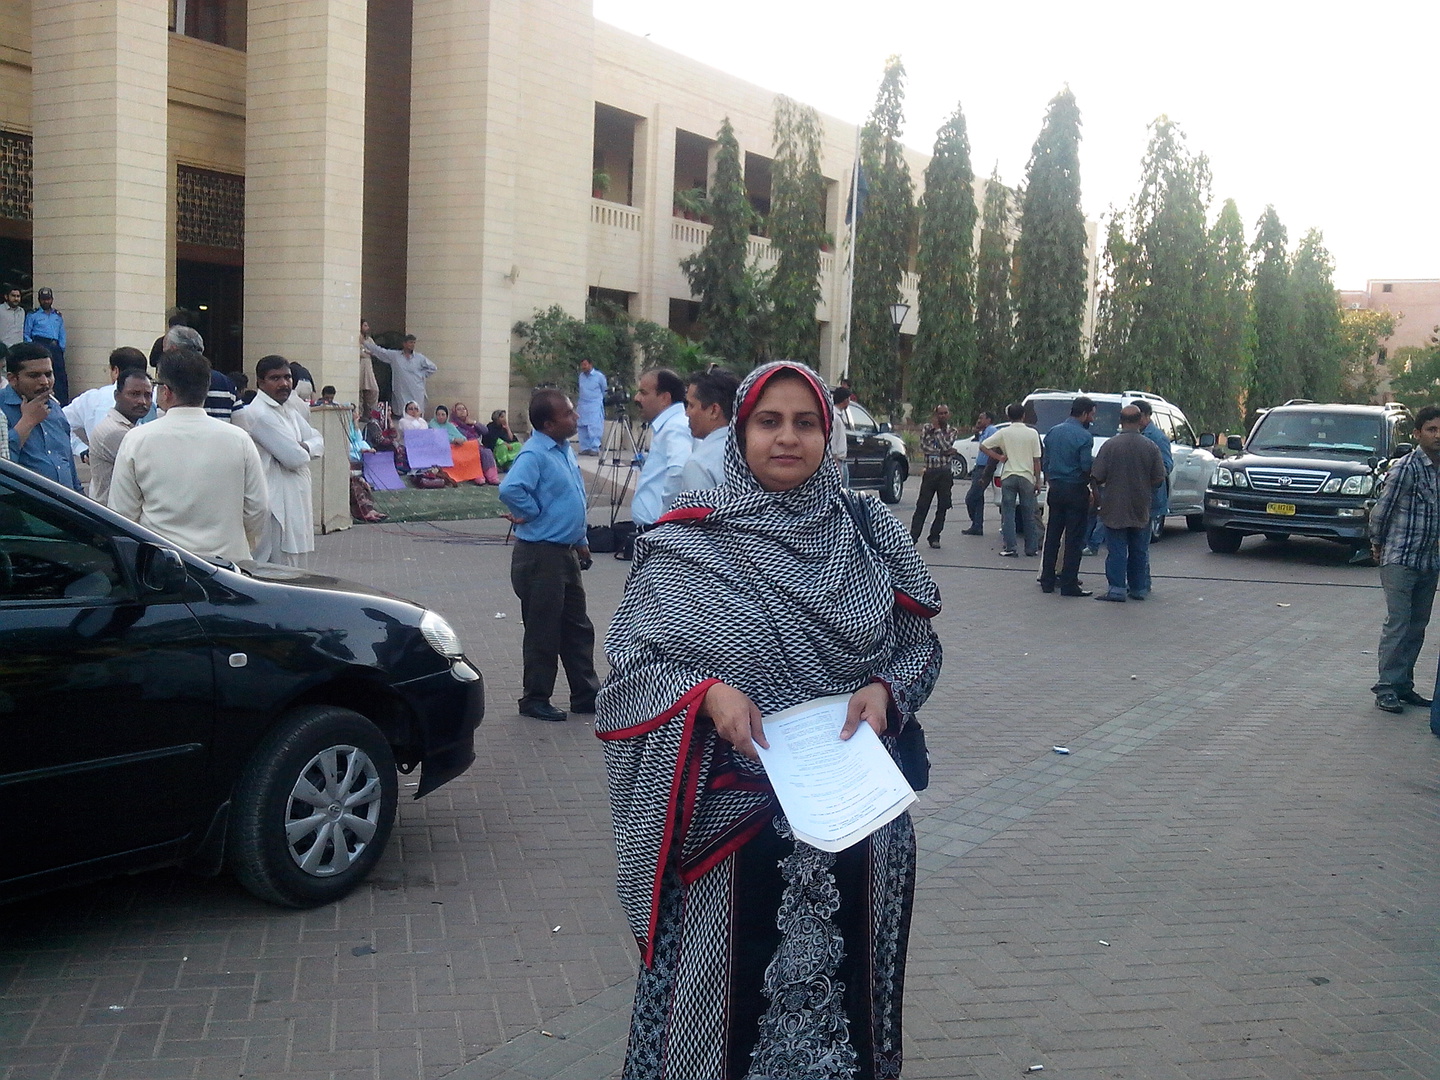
{"points": [[854, 229]]}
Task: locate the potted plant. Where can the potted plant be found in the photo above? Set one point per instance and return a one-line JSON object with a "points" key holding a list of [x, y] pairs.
{"points": [[690, 204], [599, 184]]}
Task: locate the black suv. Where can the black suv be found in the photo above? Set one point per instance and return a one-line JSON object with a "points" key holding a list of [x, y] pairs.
{"points": [[876, 455], [1306, 470]]}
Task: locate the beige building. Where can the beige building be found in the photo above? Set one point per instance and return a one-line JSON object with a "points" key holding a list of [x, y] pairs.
{"points": [[1415, 303], [282, 167]]}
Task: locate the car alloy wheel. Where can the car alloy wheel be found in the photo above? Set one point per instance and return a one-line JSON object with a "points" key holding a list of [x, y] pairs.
{"points": [[892, 487], [314, 807]]}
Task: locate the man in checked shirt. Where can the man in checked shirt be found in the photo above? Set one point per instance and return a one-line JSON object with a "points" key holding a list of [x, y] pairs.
{"points": [[937, 443], [1405, 541]]}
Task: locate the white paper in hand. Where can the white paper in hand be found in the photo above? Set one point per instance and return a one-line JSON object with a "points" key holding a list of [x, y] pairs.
{"points": [[834, 793]]}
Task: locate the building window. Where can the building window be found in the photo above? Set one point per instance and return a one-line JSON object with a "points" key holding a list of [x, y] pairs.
{"points": [[220, 22], [1387, 287], [16, 188], [210, 209]]}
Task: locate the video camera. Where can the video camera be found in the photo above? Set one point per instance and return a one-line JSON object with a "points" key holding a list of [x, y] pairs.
{"points": [[618, 396]]}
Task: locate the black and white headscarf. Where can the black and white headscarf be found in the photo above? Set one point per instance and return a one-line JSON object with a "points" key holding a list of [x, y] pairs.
{"points": [[774, 593]]}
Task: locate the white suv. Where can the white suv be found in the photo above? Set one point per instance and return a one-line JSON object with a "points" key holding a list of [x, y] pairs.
{"points": [[1194, 464]]}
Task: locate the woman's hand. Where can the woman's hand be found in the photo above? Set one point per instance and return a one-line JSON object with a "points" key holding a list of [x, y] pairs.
{"points": [[736, 718], [870, 705]]}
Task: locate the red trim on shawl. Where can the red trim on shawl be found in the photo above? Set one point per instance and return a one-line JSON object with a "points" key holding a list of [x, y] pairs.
{"points": [[686, 513], [914, 607], [647, 726], [747, 406], [738, 781], [724, 851]]}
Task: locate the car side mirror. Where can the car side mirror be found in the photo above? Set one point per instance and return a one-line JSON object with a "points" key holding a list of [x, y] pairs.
{"points": [[884, 428], [1234, 442], [162, 570], [1207, 440], [1401, 449]]}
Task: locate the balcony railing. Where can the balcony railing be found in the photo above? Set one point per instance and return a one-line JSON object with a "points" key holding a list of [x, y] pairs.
{"points": [[614, 215]]}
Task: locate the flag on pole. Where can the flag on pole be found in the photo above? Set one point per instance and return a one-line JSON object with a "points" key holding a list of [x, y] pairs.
{"points": [[859, 189]]}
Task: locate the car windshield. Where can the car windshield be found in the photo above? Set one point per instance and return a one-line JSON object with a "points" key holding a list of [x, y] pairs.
{"points": [[1052, 411], [1337, 433]]}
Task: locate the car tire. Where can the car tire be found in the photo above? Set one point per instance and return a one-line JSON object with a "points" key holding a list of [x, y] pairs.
{"points": [[347, 768], [1223, 541], [892, 485], [1277, 537], [1195, 522]]}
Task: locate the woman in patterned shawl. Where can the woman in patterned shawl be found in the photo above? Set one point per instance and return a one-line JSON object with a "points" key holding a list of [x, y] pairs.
{"points": [[762, 957]]}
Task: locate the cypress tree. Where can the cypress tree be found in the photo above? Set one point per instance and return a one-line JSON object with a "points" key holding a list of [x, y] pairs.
{"points": [[944, 365], [718, 273], [1050, 306], [1276, 372], [1151, 305], [994, 317], [1319, 343], [797, 229], [1228, 336], [882, 246]]}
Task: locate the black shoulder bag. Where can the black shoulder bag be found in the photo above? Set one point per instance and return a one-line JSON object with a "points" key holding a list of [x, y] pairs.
{"points": [[910, 748]]}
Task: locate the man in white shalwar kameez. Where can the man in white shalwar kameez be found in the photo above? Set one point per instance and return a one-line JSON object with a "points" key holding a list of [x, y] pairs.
{"points": [[287, 444]]}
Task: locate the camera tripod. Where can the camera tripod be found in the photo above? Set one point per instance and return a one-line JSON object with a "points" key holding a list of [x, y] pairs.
{"points": [[618, 450]]}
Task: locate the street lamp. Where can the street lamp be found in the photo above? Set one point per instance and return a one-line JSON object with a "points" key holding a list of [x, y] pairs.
{"points": [[898, 311]]}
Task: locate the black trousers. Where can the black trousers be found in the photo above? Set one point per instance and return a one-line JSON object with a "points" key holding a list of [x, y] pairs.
{"points": [[1069, 505], [546, 578], [934, 484]]}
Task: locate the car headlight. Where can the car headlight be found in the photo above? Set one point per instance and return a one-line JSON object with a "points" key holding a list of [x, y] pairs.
{"points": [[1332, 485], [440, 636], [1223, 478], [1358, 485], [1241, 480]]}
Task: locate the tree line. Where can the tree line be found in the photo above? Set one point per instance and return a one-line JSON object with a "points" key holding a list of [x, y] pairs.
{"points": [[1187, 305]]}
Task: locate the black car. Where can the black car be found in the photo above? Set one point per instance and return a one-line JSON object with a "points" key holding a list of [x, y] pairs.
{"points": [[1306, 470], [161, 710], [876, 456]]}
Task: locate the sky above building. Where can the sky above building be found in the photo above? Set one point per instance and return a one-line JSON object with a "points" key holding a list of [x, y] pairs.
{"points": [[1327, 112]]}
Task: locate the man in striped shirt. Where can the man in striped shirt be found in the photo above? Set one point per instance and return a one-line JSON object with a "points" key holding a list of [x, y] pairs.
{"points": [[1405, 541]]}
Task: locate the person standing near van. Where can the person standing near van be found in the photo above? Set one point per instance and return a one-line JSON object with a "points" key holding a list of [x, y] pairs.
{"points": [[1017, 447], [1405, 541]]}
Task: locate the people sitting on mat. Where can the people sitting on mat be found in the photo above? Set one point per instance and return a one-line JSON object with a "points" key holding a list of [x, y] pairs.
{"points": [[413, 420], [460, 417], [500, 440], [441, 421]]}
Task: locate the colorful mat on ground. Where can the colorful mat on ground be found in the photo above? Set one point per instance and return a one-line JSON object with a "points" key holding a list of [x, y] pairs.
{"points": [[462, 503]]}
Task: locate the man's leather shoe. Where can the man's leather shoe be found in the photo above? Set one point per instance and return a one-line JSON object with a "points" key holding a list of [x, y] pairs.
{"points": [[1137, 595], [971, 532], [1410, 697], [585, 708], [1111, 598], [1046, 588], [935, 544], [1075, 590], [1389, 701], [541, 710]]}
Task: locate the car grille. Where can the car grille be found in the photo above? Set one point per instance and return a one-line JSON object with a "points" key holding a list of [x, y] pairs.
{"points": [[1294, 481]]}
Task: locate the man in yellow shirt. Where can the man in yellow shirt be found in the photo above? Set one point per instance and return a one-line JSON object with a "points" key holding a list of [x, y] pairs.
{"points": [[1017, 449]]}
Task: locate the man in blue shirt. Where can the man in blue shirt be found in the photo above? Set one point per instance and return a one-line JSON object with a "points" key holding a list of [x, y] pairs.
{"points": [[661, 397], [546, 501], [979, 478], [37, 431], [46, 326], [1066, 464]]}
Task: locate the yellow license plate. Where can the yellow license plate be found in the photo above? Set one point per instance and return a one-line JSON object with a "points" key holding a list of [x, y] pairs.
{"points": [[1283, 509]]}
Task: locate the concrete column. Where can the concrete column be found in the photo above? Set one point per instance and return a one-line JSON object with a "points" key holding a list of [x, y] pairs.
{"points": [[101, 173], [501, 124], [304, 185]]}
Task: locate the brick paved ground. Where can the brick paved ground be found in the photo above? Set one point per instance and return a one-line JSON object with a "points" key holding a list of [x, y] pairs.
{"points": [[1233, 874]]}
